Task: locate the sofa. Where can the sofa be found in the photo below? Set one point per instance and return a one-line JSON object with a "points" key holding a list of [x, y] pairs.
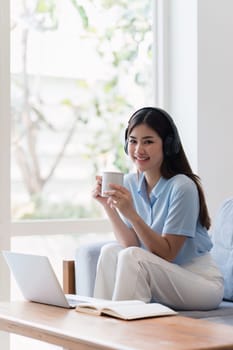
{"points": [[222, 252], [86, 257]]}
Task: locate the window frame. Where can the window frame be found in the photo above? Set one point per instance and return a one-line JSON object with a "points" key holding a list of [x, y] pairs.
{"points": [[5, 224]]}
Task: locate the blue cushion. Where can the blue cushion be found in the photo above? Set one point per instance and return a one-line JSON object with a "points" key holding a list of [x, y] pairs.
{"points": [[222, 251], [86, 259]]}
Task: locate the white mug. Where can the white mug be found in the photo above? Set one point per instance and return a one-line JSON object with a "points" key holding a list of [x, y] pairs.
{"points": [[111, 177]]}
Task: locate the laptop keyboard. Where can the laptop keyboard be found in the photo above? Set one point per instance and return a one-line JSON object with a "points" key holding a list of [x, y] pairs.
{"points": [[75, 302]]}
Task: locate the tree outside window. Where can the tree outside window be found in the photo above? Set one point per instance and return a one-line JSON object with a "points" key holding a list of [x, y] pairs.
{"points": [[78, 70]]}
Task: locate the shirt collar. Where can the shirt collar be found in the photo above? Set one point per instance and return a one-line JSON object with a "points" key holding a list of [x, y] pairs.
{"points": [[155, 192]]}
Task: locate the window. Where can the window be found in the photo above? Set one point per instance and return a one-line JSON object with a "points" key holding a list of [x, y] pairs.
{"points": [[78, 69]]}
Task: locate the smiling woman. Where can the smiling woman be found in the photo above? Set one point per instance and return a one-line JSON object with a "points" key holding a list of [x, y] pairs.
{"points": [[186, 89], [160, 222]]}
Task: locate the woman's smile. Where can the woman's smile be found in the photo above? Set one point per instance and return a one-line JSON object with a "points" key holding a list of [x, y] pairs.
{"points": [[141, 158]]}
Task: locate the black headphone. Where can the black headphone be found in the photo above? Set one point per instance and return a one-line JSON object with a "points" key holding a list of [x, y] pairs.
{"points": [[171, 144]]}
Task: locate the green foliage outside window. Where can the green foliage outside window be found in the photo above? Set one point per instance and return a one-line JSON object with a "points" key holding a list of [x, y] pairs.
{"points": [[99, 113]]}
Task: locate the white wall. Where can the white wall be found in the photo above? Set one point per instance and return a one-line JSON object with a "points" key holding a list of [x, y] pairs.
{"points": [[215, 98], [199, 89], [182, 83]]}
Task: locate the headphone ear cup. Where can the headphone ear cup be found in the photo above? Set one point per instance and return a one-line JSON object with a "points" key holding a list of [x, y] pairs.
{"points": [[126, 147], [126, 141]]}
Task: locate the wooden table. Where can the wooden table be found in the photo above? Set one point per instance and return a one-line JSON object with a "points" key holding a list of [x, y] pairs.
{"points": [[76, 331]]}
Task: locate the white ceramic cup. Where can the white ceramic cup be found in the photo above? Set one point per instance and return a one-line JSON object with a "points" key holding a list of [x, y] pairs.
{"points": [[113, 178]]}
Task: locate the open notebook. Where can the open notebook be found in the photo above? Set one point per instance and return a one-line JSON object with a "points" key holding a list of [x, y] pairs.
{"points": [[125, 309]]}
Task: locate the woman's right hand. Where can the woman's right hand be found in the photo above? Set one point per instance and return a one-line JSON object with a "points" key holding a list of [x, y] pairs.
{"points": [[96, 193]]}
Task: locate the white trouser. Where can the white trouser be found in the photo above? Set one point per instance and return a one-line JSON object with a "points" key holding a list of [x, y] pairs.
{"points": [[135, 273]]}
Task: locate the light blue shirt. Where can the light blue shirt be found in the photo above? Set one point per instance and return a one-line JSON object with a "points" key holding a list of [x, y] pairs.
{"points": [[173, 208]]}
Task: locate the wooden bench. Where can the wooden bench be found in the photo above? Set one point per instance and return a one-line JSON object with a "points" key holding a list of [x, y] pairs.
{"points": [[68, 277]]}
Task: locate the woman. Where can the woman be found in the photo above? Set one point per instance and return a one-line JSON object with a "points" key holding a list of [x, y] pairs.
{"points": [[160, 221]]}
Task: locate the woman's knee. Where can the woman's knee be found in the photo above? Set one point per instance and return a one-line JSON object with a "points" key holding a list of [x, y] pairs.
{"points": [[138, 255], [110, 250], [130, 253]]}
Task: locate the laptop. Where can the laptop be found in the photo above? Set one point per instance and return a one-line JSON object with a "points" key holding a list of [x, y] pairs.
{"points": [[38, 282]]}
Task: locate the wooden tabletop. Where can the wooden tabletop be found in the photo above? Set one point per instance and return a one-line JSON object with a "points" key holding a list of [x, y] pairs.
{"points": [[74, 331]]}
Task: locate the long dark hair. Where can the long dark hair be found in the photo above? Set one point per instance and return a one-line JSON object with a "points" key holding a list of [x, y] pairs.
{"points": [[174, 161]]}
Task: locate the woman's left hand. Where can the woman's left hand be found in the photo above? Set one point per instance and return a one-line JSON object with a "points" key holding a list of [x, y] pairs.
{"points": [[120, 198]]}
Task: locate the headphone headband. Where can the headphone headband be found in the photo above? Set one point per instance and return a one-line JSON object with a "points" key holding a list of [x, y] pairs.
{"points": [[171, 144]]}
